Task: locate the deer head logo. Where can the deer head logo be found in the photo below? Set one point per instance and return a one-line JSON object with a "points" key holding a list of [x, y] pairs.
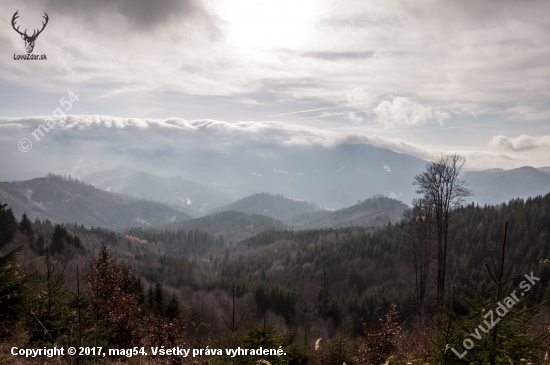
{"points": [[29, 40]]}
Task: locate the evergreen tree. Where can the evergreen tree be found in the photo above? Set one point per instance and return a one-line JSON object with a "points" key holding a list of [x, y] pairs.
{"points": [[324, 296], [40, 245], [62, 239], [135, 286], [173, 308], [50, 302], [13, 289], [296, 351], [339, 351], [159, 299], [25, 226], [81, 324], [150, 299], [263, 335], [59, 240], [8, 225]]}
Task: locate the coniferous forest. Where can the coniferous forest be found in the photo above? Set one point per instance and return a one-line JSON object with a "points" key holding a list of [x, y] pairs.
{"points": [[450, 283]]}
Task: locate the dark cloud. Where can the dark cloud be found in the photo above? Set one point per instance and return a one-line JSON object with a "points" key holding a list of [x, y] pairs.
{"points": [[139, 14]]}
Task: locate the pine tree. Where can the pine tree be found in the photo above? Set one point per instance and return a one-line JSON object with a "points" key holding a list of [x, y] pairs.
{"points": [[159, 299], [135, 286], [150, 299], [8, 225], [50, 302], [339, 351], [263, 335], [59, 240], [173, 308], [324, 296], [13, 287], [25, 226], [40, 245]]}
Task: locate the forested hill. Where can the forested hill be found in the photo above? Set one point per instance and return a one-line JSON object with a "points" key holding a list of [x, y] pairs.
{"points": [[274, 206], [373, 212], [232, 226], [61, 199], [358, 260]]}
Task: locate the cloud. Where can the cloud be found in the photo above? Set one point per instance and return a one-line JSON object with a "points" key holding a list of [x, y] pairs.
{"points": [[355, 118], [132, 134], [402, 112], [197, 149], [141, 15], [358, 97], [481, 58], [336, 56], [521, 143]]}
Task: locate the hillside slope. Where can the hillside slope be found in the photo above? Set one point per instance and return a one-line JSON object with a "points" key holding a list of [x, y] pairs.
{"points": [[64, 200], [373, 212], [501, 186], [179, 193], [274, 206], [232, 226]]}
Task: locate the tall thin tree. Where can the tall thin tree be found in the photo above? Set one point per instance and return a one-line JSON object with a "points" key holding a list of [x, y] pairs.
{"points": [[442, 186], [418, 239]]}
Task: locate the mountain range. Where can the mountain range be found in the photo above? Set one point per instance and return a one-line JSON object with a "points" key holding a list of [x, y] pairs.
{"points": [[497, 186], [67, 200], [182, 194], [295, 187]]}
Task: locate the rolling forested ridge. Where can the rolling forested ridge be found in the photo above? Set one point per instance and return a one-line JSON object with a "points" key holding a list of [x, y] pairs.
{"points": [[396, 284]]}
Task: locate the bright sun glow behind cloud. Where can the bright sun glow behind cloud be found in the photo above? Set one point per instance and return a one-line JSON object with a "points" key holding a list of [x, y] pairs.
{"points": [[270, 24]]}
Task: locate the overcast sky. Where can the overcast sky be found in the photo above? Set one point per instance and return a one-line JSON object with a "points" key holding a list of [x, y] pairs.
{"points": [[425, 76]]}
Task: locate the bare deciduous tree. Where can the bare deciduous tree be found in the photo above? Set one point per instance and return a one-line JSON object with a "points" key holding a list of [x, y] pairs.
{"points": [[419, 241], [441, 185]]}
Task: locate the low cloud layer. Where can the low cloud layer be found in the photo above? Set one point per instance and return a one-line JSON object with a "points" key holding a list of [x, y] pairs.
{"points": [[522, 143], [118, 141], [184, 135]]}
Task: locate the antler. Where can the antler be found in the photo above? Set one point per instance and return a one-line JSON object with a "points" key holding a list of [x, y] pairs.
{"points": [[15, 16], [34, 34], [43, 25]]}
